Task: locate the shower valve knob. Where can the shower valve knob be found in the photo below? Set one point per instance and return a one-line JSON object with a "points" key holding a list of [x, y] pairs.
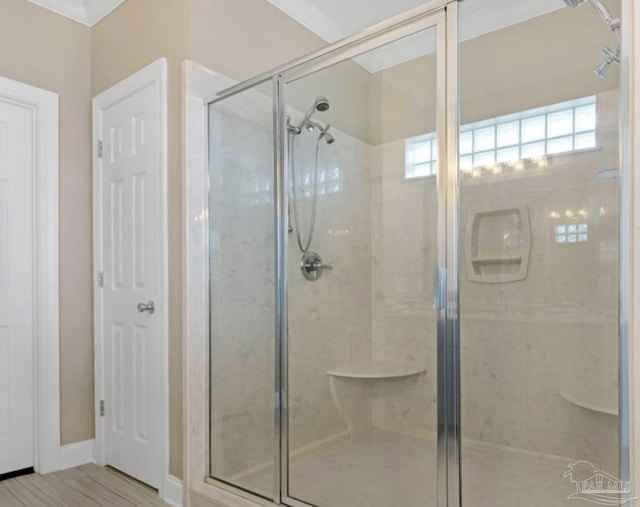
{"points": [[312, 266]]}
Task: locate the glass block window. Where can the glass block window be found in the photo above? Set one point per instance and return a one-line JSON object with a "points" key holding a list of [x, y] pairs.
{"points": [[421, 156], [572, 233], [559, 128]]}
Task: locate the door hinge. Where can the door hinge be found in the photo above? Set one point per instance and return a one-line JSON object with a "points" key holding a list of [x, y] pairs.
{"points": [[99, 149], [101, 408], [100, 279]]}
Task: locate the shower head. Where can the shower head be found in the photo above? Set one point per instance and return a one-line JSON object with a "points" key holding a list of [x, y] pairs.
{"points": [[574, 3], [324, 133], [321, 104], [329, 138], [602, 69]]}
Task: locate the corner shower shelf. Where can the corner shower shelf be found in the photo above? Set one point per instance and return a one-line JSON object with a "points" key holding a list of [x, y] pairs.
{"points": [[598, 398], [377, 368]]}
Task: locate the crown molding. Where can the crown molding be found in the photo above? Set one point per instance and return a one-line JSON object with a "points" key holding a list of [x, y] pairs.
{"points": [[478, 19], [87, 12]]}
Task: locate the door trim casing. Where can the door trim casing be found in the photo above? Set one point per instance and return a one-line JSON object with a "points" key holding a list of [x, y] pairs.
{"points": [[44, 106], [155, 75]]}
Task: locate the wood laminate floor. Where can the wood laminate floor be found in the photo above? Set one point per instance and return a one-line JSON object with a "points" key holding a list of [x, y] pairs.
{"points": [[84, 486]]}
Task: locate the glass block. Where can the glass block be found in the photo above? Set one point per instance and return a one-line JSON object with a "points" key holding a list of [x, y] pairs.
{"points": [[434, 150], [561, 229], [572, 228], [422, 152], [560, 123], [582, 238], [560, 145], [533, 128], [508, 134], [533, 150], [583, 228], [508, 154], [585, 141], [585, 118], [466, 143], [484, 158], [571, 238], [484, 139], [422, 170], [466, 163], [561, 239]]}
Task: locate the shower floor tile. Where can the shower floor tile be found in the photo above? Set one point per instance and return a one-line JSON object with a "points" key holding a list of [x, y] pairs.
{"points": [[387, 469]]}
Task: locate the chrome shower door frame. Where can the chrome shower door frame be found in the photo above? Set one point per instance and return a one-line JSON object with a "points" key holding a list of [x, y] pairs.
{"points": [[443, 16], [444, 19]]}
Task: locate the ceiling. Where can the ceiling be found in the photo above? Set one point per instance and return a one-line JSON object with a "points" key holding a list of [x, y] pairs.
{"points": [[87, 12], [333, 20]]}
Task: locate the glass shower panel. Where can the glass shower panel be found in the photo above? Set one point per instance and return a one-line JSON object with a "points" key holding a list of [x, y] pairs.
{"points": [[362, 330], [539, 259], [242, 294]]}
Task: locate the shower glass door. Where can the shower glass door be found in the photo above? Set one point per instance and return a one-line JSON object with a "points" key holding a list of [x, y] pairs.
{"points": [[539, 249], [241, 296], [362, 248]]}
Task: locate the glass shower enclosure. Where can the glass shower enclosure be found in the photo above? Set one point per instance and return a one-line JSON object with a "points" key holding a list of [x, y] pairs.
{"points": [[413, 266]]}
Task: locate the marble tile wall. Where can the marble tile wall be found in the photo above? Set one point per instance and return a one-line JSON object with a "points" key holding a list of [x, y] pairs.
{"points": [[329, 319]]}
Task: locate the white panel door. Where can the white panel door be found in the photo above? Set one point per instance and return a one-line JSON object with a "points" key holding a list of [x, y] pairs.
{"points": [[131, 338], [16, 287]]}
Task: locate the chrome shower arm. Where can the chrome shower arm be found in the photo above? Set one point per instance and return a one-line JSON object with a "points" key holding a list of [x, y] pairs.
{"points": [[613, 23]]}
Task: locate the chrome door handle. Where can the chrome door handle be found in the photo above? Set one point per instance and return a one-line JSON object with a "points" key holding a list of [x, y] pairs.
{"points": [[147, 307]]}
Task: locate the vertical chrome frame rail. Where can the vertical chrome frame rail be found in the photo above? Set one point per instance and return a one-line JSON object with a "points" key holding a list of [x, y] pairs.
{"points": [[280, 444], [625, 189], [452, 245], [442, 178]]}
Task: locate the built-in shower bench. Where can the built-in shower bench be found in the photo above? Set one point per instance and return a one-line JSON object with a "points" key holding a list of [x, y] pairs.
{"points": [[377, 368], [351, 389]]}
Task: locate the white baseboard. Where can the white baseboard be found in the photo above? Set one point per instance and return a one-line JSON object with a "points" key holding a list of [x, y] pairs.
{"points": [[74, 455], [173, 491]]}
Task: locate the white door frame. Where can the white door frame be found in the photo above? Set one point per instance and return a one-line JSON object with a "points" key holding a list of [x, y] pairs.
{"points": [[44, 108], [154, 75]]}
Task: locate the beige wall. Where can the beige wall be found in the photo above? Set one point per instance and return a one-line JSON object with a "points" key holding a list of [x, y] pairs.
{"points": [[242, 39], [55, 54], [134, 35]]}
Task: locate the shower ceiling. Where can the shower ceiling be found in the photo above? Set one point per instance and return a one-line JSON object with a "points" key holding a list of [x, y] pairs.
{"points": [[336, 19], [87, 12]]}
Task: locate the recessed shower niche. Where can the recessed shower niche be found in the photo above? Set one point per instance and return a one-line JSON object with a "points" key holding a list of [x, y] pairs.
{"points": [[498, 243]]}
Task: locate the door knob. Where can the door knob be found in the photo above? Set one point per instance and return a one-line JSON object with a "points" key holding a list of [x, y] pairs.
{"points": [[147, 307]]}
